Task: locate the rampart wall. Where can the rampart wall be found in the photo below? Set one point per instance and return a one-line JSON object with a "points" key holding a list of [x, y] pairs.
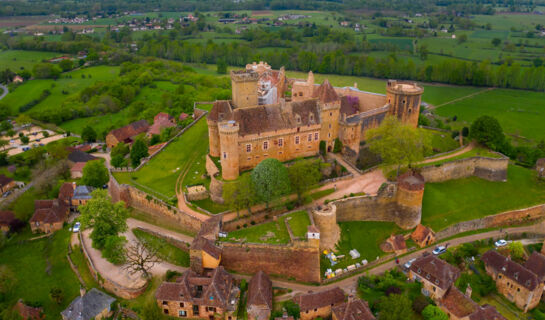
{"points": [[296, 261], [493, 169]]}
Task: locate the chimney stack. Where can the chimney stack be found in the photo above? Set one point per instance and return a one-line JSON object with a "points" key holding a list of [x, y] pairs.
{"points": [[468, 291]]}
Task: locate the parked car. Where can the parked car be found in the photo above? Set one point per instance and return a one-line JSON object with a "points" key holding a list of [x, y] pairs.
{"points": [[439, 250], [37, 140], [500, 243], [26, 148], [76, 227], [409, 263]]}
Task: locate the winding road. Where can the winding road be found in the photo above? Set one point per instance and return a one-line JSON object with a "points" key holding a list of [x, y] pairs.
{"points": [[5, 91]]}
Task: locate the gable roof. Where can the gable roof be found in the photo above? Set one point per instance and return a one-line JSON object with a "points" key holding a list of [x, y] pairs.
{"points": [[206, 245], [486, 312], [457, 303], [88, 306], [260, 290], [80, 156], [435, 270], [66, 191], [4, 180], [130, 130], [83, 193], [536, 264], [6, 218], [355, 309], [161, 120], [510, 269], [49, 211], [420, 233], [398, 242], [28, 312], [78, 167], [221, 110], [326, 93], [320, 299]]}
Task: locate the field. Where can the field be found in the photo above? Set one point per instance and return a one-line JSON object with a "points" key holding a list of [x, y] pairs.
{"points": [[19, 59], [459, 200], [38, 267], [520, 113]]}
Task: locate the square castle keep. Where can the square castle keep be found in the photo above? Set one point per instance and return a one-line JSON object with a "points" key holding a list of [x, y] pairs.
{"points": [[261, 121]]}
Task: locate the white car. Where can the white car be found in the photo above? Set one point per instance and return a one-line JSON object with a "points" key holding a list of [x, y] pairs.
{"points": [[500, 243], [439, 250], [409, 263], [76, 227]]}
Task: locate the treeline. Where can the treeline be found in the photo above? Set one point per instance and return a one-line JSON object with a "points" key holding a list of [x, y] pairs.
{"points": [[356, 64]]}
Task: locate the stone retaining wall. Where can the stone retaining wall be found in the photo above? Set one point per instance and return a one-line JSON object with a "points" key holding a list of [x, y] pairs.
{"points": [[492, 169]]}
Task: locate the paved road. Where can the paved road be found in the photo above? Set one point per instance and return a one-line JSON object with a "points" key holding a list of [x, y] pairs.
{"points": [[5, 91]]}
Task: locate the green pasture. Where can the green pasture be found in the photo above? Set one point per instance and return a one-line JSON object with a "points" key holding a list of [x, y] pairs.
{"points": [[450, 202], [440, 141], [520, 113], [16, 60]]}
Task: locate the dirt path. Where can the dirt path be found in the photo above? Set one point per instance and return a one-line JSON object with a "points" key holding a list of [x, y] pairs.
{"points": [[431, 107], [133, 224], [182, 205], [467, 148]]}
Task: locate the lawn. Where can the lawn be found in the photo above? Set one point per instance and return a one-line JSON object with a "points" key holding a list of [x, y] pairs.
{"points": [[165, 251], [471, 198], [16, 60], [160, 174], [519, 112], [39, 266], [80, 262], [274, 231], [440, 141], [478, 151]]}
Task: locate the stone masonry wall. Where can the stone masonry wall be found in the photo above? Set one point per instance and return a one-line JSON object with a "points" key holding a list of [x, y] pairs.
{"points": [[493, 169], [298, 262]]}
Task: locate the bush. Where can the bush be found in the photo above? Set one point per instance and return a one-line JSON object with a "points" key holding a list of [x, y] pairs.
{"points": [[322, 148], [171, 275], [338, 147], [114, 249]]}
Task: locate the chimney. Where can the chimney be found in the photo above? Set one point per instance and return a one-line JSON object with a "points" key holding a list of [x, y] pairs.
{"points": [[82, 291], [355, 85], [468, 291]]}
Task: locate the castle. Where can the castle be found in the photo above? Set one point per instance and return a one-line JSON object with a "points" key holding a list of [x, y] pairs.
{"points": [[263, 121]]}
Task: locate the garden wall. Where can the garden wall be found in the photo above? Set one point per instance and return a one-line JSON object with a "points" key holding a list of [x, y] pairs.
{"points": [[492, 169], [149, 204], [299, 262], [508, 218]]}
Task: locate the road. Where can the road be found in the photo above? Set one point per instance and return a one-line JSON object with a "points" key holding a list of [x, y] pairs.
{"points": [[5, 91]]}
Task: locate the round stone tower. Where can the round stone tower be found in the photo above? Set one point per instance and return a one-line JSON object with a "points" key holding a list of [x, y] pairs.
{"points": [[404, 99], [213, 138], [410, 192], [325, 218], [228, 132]]}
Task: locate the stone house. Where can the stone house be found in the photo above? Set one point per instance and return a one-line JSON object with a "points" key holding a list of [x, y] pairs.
{"points": [[319, 304], [76, 171], [260, 297], [94, 304], [126, 134], [6, 220], [436, 275], [459, 306], [395, 243], [160, 121], [423, 236], [212, 295], [517, 283], [49, 216], [6, 183], [352, 310], [82, 194]]}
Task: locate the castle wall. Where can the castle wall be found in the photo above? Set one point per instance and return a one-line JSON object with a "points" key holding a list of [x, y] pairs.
{"points": [[213, 138], [244, 90], [329, 119], [293, 261], [229, 150], [350, 135], [492, 169], [367, 100]]}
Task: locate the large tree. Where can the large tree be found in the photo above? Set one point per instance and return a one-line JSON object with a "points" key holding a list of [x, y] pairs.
{"points": [[487, 131], [395, 307], [139, 150], [271, 180], [88, 134], [304, 174], [240, 194], [432, 312], [397, 143], [141, 258], [95, 174]]}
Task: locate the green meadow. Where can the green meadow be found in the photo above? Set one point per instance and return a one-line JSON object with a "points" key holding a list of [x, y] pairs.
{"points": [[16, 60]]}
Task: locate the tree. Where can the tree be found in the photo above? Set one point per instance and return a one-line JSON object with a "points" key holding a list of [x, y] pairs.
{"points": [[395, 307], [56, 294], [496, 42], [120, 149], [46, 71], [517, 250], [106, 218], [119, 161], [57, 151], [141, 258], [88, 134], [487, 131], [398, 144], [8, 280], [304, 174], [271, 180], [338, 146], [139, 150], [221, 66], [4, 143], [23, 119], [432, 312], [24, 139], [66, 65], [240, 194], [114, 249], [462, 38], [95, 174]]}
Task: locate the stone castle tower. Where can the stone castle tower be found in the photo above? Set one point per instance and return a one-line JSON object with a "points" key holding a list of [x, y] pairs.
{"points": [[404, 99], [325, 218], [228, 133], [330, 110], [410, 192], [244, 85]]}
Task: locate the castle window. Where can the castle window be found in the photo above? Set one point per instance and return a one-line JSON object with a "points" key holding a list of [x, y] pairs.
{"points": [[311, 117], [165, 311], [330, 126], [182, 313], [248, 159], [165, 303], [280, 142], [331, 114], [403, 101], [248, 148], [297, 118], [225, 155], [280, 152], [265, 145], [316, 136], [309, 137], [296, 139], [329, 135]]}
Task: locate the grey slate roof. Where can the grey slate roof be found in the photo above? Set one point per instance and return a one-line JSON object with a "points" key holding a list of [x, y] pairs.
{"points": [[88, 306], [82, 193]]}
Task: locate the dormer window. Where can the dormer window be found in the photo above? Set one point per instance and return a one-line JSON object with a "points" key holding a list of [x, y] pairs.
{"points": [[437, 281], [311, 117], [297, 118]]}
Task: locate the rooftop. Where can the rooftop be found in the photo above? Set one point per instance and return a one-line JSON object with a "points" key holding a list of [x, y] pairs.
{"points": [[260, 290], [320, 299], [536, 264], [435, 270], [88, 306], [353, 310], [510, 269]]}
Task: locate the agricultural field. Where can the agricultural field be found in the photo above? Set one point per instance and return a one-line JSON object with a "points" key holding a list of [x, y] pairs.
{"points": [[16, 60], [450, 202]]}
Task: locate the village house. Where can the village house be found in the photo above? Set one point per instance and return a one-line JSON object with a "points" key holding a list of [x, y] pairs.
{"points": [[260, 297], [204, 254], [77, 160], [94, 304], [66, 192], [6, 183], [536, 264], [319, 304], [213, 295], [49, 216], [76, 171], [126, 134], [396, 243], [160, 121], [435, 275], [517, 283], [6, 220], [82, 194], [459, 306], [353, 309], [28, 312], [423, 236]]}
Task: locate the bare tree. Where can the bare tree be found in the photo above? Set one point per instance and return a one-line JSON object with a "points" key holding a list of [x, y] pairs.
{"points": [[141, 258]]}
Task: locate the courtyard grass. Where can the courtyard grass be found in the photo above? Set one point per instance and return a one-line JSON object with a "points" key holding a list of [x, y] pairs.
{"points": [[454, 201], [299, 221], [39, 266], [475, 152], [165, 251], [440, 141]]}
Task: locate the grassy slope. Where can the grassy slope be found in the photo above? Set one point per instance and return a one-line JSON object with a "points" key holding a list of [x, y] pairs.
{"points": [[519, 112], [166, 251], [41, 265], [17, 59], [459, 200], [298, 223]]}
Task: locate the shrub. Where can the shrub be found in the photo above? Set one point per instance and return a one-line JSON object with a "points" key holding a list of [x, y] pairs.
{"points": [[338, 147]]}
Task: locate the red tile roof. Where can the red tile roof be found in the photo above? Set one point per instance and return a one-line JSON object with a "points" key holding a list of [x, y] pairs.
{"points": [[486, 312], [320, 299], [49, 211], [457, 303], [326, 93], [27, 312], [536, 264], [260, 290], [67, 189], [420, 233], [4, 180], [6, 218], [510, 269], [353, 310], [130, 130], [78, 167], [161, 121], [206, 245], [398, 242], [435, 270]]}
